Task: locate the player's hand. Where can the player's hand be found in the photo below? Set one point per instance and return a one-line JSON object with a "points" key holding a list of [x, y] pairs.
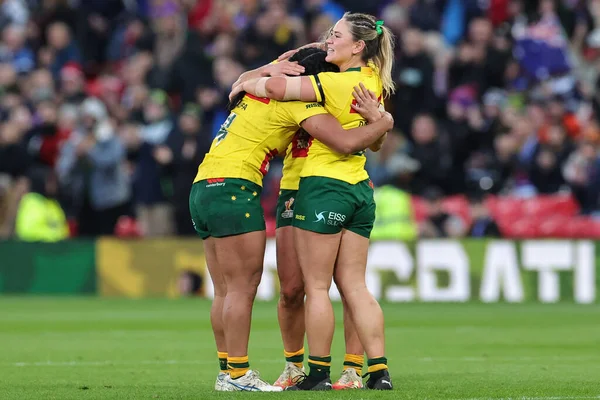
{"points": [[290, 53], [287, 55], [235, 91], [291, 68], [367, 104]]}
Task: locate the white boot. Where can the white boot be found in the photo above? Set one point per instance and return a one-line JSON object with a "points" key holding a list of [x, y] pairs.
{"points": [[349, 379], [221, 382], [289, 376]]}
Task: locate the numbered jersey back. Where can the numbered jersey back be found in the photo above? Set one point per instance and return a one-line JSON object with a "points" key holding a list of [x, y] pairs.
{"points": [[257, 130]]}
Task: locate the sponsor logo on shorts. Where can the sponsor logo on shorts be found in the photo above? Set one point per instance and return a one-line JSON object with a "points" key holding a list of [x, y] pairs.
{"points": [[330, 218], [215, 182], [289, 212], [312, 105], [300, 217]]}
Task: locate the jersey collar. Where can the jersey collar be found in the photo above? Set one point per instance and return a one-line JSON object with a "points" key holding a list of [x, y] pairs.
{"points": [[359, 69]]}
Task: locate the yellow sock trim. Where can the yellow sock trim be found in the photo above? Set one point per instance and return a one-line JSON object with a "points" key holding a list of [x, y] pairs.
{"points": [[238, 366], [354, 361], [295, 357], [322, 363], [293, 353], [377, 367], [222, 356]]}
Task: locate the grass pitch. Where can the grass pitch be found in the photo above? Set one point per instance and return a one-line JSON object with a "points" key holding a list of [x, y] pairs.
{"points": [[90, 348]]}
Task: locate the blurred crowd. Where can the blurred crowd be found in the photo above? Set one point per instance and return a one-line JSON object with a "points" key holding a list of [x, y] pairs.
{"points": [[108, 106]]}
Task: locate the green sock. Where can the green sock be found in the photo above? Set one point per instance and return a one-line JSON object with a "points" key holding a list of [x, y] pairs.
{"points": [[319, 366]]}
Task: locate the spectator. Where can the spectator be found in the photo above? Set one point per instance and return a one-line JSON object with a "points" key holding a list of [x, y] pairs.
{"points": [[151, 182], [414, 80], [40, 86], [394, 216], [91, 168], [72, 84], [40, 217], [491, 96], [187, 143], [582, 172], [378, 164], [14, 167], [439, 223], [429, 152], [96, 20], [45, 139], [61, 47], [483, 224], [13, 49], [170, 32]]}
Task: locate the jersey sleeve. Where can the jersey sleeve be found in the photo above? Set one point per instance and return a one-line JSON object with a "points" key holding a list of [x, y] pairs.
{"points": [[295, 112], [332, 89]]}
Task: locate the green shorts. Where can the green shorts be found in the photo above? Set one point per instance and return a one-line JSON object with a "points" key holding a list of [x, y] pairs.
{"points": [[285, 207], [223, 207], [326, 205]]}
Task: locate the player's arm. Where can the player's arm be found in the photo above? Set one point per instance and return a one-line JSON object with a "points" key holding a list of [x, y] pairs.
{"points": [[369, 107], [289, 53], [328, 130], [282, 88], [378, 144], [272, 69]]}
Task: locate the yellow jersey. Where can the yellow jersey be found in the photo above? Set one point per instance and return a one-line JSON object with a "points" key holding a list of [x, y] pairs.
{"points": [[255, 131], [334, 89], [293, 162]]}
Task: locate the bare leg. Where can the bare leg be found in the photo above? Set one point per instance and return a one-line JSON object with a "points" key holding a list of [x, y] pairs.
{"points": [[317, 253], [365, 310], [216, 309], [290, 307], [240, 259], [353, 344]]}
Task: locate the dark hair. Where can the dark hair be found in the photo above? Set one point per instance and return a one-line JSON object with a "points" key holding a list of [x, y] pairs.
{"points": [[313, 61]]}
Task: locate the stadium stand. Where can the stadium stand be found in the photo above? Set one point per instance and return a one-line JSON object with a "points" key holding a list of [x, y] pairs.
{"points": [[495, 99]]}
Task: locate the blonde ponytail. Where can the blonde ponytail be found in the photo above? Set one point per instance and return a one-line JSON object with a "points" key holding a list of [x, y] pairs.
{"points": [[379, 46], [384, 61]]}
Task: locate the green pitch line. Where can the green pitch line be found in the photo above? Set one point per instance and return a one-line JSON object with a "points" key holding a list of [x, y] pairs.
{"points": [[88, 348]]}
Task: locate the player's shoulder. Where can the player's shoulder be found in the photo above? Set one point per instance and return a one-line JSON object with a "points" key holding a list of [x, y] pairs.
{"points": [[294, 106], [346, 78]]}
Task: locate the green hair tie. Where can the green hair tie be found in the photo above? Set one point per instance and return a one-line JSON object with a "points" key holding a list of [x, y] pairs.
{"points": [[378, 26]]}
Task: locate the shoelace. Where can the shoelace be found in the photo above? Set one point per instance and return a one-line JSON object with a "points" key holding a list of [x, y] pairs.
{"points": [[257, 376], [299, 379], [346, 377]]}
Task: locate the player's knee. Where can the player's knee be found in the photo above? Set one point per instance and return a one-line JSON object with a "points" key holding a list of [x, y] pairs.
{"points": [[292, 296], [220, 290], [350, 291], [244, 277]]}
